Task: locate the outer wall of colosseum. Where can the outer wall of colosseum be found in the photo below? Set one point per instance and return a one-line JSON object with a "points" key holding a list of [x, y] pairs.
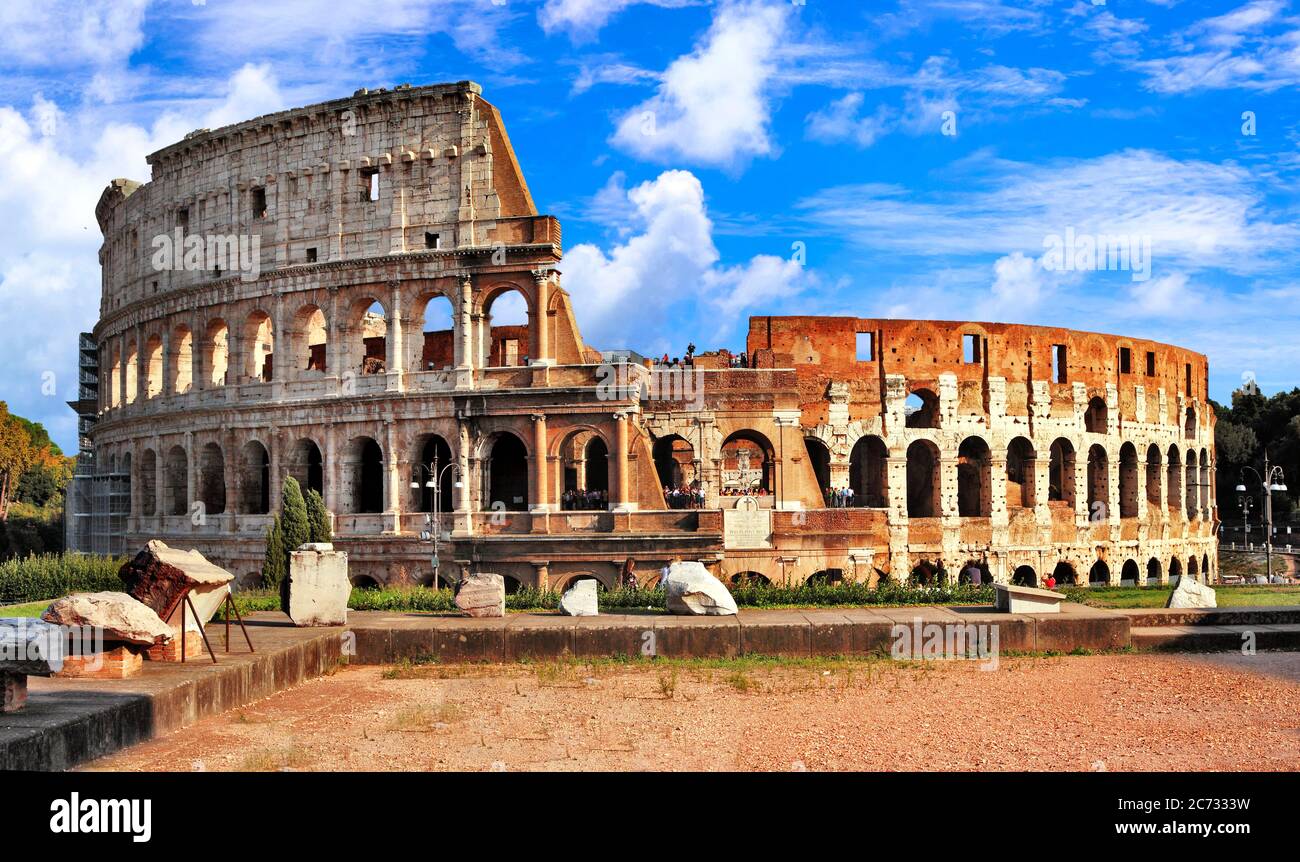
{"points": [[1024, 449]]}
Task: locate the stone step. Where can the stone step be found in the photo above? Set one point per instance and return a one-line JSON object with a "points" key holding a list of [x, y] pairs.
{"points": [[1211, 638], [1235, 616]]}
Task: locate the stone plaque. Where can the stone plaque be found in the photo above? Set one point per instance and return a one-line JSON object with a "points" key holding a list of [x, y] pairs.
{"points": [[747, 527]]}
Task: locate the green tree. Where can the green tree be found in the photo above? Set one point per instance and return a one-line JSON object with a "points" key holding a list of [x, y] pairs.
{"points": [[318, 518], [275, 563], [293, 517]]}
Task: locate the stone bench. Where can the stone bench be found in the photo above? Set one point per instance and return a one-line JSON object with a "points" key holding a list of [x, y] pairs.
{"points": [[28, 647], [1027, 600]]}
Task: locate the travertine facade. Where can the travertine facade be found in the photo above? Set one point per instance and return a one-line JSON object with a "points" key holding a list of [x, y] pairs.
{"points": [[370, 215]]}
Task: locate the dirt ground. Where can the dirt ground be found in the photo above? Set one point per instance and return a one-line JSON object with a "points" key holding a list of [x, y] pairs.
{"points": [[1111, 712]]}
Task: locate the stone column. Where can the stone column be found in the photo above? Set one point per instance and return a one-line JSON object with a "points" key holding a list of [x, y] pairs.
{"points": [[330, 470], [274, 477], [540, 349], [191, 469], [159, 477], [464, 323], [392, 479], [543, 570], [538, 485], [396, 357], [622, 501]]}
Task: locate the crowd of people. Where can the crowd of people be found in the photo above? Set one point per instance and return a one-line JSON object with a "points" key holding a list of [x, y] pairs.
{"points": [[838, 498], [685, 497], [745, 492], [581, 499]]}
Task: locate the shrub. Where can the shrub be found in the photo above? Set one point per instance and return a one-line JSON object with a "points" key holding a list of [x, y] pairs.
{"points": [[296, 529], [275, 562], [318, 519], [48, 576]]}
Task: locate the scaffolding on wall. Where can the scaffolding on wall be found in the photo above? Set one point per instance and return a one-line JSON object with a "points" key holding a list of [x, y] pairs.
{"points": [[99, 495]]}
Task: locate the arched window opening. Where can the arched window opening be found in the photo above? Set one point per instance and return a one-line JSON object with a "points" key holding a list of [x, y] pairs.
{"points": [[367, 476], [506, 475], [153, 367], [974, 485], [748, 464], [1098, 484], [1021, 460], [431, 474], [216, 357], [1130, 575], [311, 341], [177, 474], [820, 459], [1189, 424], [923, 480], [438, 346], [1064, 573], [1193, 498], [1095, 417], [1153, 475], [869, 473], [307, 466], [373, 326], [212, 479], [1099, 574], [674, 462], [922, 409], [1153, 571], [255, 479], [149, 483], [182, 360], [1128, 481], [132, 381], [260, 346], [1025, 576], [506, 316], [1060, 472], [1174, 480]]}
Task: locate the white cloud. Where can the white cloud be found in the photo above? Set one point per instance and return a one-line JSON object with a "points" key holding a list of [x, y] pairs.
{"points": [[49, 268], [63, 33], [583, 19], [666, 277], [713, 105]]}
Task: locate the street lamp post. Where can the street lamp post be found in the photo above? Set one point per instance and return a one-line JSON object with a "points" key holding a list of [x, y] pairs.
{"points": [[433, 477], [1272, 479]]}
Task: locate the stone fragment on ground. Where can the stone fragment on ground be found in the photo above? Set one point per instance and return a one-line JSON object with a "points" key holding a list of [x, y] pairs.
{"points": [[29, 646], [121, 618], [159, 575], [580, 600], [482, 595], [317, 589], [1191, 594], [691, 590]]}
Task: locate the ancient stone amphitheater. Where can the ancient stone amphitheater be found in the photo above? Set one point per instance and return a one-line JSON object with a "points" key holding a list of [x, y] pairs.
{"points": [[359, 352]]}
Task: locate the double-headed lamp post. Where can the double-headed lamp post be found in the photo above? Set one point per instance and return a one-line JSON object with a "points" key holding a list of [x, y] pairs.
{"points": [[1272, 479], [433, 478]]}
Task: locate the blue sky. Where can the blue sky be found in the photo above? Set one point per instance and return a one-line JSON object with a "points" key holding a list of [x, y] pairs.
{"points": [[712, 160]]}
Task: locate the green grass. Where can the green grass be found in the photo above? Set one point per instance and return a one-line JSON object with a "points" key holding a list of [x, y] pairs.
{"points": [[1155, 597], [31, 609]]}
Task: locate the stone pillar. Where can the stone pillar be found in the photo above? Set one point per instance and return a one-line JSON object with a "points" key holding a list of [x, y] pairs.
{"points": [[947, 467], [392, 480], [998, 491], [896, 476], [191, 470], [538, 484], [540, 349], [1081, 513], [159, 476], [464, 323], [275, 477], [543, 570], [330, 470], [621, 497], [396, 358]]}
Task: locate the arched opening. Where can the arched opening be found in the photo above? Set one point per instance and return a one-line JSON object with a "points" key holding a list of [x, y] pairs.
{"points": [[1206, 497], [928, 574], [571, 582], [748, 464], [825, 578], [1174, 481], [1193, 568], [1205, 567], [1060, 471], [966, 574], [310, 341], [438, 345], [370, 333], [1095, 417], [596, 456], [584, 461], [513, 585], [1099, 574], [216, 352], [1153, 571], [921, 409], [974, 482], [1189, 424], [255, 479], [1129, 574], [366, 475], [674, 462], [1128, 481], [212, 479], [820, 459], [869, 472], [307, 466], [149, 483], [505, 474], [153, 366], [259, 344], [176, 471], [1098, 484], [364, 582], [749, 579], [182, 360], [1153, 475], [1024, 576], [1193, 501], [431, 475], [506, 317], [132, 380], [1021, 460], [1175, 572], [1064, 573], [923, 480]]}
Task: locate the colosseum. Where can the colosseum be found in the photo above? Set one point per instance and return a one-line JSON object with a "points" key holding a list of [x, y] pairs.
{"points": [[360, 354]]}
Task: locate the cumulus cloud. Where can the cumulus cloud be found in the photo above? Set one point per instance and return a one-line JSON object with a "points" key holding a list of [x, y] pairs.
{"points": [[49, 268], [582, 20], [713, 105], [63, 33], [667, 277]]}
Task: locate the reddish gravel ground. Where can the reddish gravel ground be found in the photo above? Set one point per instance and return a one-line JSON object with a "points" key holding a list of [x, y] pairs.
{"points": [[1113, 712]]}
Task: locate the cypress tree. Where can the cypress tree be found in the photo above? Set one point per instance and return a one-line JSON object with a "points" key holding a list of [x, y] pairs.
{"points": [[293, 518], [318, 518], [273, 566]]}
